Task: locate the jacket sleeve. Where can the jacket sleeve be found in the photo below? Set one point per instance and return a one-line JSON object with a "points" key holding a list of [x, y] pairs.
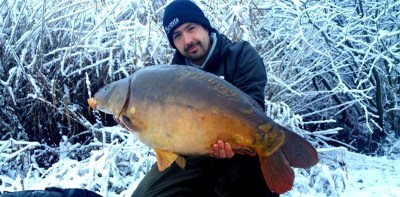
{"points": [[250, 75]]}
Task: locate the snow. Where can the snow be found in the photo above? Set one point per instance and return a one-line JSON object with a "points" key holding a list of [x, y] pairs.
{"points": [[344, 173], [354, 175], [117, 165], [373, 176], [114, 163]]}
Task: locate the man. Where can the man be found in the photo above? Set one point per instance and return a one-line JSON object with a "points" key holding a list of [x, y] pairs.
{"points": [[224, 173]]}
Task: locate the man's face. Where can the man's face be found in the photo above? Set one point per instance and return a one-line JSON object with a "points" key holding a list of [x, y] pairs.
{"points": [[192, 41]]}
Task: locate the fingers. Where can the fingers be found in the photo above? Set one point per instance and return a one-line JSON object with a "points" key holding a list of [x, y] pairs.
{"points": [[221, 150], [228, 150]]}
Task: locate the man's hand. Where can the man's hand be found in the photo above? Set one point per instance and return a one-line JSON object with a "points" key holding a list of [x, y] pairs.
{"points": [[224, 150], [221, 150]]}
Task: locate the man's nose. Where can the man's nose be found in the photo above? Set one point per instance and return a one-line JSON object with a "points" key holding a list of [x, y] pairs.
{"points": [[187, 38]]}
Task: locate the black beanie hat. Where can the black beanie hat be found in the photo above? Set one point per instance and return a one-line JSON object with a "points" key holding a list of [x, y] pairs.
{"points": [[182, 11]]}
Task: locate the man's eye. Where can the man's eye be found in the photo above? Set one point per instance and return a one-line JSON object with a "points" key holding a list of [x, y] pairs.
{"points": [[191, 28], [176, 36]]}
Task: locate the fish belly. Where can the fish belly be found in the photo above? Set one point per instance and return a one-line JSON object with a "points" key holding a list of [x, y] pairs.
{"points": [[189, 131]]}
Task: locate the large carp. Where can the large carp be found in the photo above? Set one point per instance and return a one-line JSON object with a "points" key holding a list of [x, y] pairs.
{"points": [[182, 110]]}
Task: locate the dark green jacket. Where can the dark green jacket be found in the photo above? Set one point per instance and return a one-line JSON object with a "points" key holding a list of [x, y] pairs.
{"points": [[243, 67]]}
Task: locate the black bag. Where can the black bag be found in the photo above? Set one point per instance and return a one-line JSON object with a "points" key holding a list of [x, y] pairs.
{"points": [[53, 192]]}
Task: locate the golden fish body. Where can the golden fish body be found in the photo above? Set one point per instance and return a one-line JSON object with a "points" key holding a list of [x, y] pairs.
{"points": [[181, 110]]}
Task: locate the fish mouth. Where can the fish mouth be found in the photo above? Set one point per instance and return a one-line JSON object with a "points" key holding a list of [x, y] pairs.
{"points": [[92, 103]]}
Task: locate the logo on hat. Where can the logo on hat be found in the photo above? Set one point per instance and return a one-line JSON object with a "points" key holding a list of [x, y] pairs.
{"points": [[171, 25]]}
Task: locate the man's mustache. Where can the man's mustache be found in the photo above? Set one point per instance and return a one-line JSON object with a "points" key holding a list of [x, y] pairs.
{"points": [[191, 45]]}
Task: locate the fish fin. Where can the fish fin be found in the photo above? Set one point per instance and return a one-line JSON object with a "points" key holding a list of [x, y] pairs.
{"points": [[180, 161], [298, 151], [164, 159], [128, 123], [277, 173], [243, 150]]}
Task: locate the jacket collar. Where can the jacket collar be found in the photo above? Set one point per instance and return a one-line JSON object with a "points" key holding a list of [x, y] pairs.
{"points": [[214, 39]]}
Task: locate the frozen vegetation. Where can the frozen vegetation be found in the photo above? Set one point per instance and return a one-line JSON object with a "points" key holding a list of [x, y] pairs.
{"points": [[333, 77]]}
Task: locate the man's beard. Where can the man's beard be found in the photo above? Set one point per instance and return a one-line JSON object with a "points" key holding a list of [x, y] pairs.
{"points": [[194, 56]]}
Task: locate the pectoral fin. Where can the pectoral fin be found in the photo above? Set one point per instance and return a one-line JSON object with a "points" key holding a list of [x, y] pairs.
{"points": [[244, 151], [166, 158], [181, 162]]}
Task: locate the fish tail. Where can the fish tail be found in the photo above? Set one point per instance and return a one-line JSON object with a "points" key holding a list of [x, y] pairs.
{"points": [[277, 172], [294, 152], [298, 151]]}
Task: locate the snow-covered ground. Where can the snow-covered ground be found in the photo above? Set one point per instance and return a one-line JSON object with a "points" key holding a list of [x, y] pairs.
{"points": [[117, 167], [350, 174], [372, 176]]}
